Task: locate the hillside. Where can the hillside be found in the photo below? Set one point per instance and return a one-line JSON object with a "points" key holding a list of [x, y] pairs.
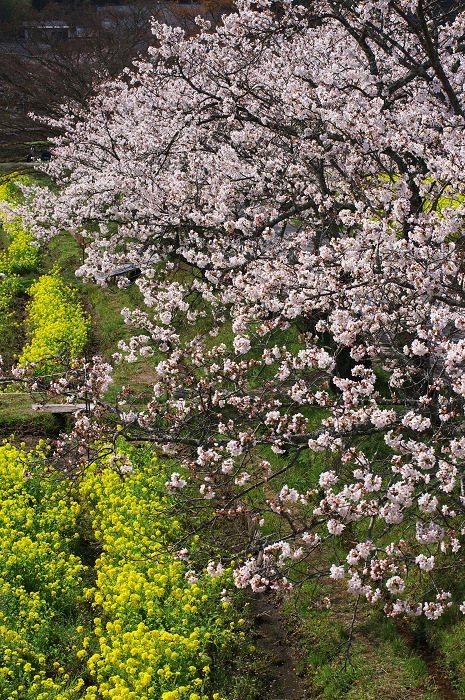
{"points": [[292, 648]]}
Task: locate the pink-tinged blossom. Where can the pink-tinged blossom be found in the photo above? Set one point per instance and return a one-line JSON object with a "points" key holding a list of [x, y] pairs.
{"points": [[335, 527], [418, 348], [215, 570], [227, 466], [277, 448], [372, 483], [355, 585], [311, 539], [425, 563], [191, 577], [328, 478], [366, 275], [182, 555], [433, 610], [391, 513], [241, 344], [271, 417], [429, 534], [287, 494], [321, 443], [364, 549], [337, 572], [353, 557], [207, 492], [381, 418], [447, 474], [234, 448], [225, 598], [373, 596], [242, 478], [395, 584], [416, 422], [175, 482], [428, 503]]}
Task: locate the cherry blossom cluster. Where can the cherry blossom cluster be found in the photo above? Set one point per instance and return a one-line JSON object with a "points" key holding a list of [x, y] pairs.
{"points": [[290, 187]]}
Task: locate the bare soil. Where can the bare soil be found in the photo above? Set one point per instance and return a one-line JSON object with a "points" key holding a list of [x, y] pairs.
{"points": [[271, 637]]}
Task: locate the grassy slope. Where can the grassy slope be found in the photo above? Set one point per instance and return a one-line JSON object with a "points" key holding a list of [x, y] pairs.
{"points": [[104, 306], [385, 665]]}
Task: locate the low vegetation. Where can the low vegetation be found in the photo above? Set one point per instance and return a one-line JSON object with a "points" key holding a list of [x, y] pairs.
{"points": [[97, 602], [93, 603], [57, 324]]}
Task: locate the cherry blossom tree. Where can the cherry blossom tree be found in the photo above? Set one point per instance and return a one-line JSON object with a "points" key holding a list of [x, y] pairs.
{"points": [[290, 188]]}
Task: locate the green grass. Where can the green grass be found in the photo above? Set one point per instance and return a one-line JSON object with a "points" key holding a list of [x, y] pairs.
{"points": [[384, 666], [451, 644], [380, 664], [16, 414], [104, 306], [12, 332]]}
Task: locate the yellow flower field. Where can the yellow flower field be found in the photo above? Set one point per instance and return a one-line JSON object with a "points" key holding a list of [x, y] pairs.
{"points": [[147, 628], [58, 324]]}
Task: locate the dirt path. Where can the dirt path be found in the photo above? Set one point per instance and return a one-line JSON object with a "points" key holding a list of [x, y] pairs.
{"points": [[437, 672], [271, 638]]}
